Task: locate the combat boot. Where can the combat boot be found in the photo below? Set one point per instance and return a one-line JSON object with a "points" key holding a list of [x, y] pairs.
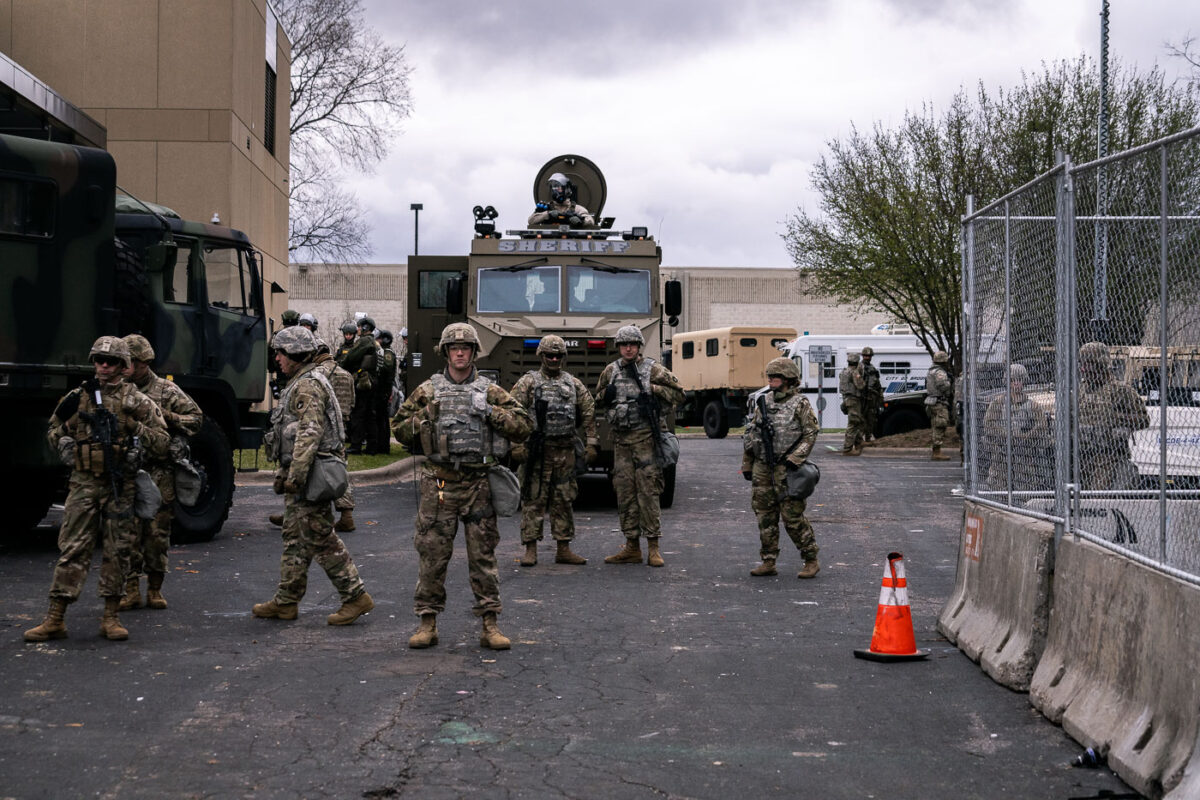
{"points": [[110, 624], [767, 567], [565, 556], [345, 522], [858, 448], [351, 610], [154, 597], [530, 557], [936, 455], [653, 558], [133, 595], [811, 568], [426, 635], [853, 451], [273, 610], [631, 553], [491, 637], [52, 626], [276, 520]]}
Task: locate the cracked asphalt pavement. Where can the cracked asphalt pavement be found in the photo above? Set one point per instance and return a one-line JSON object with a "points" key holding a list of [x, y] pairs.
{"points": [[691, 681]]}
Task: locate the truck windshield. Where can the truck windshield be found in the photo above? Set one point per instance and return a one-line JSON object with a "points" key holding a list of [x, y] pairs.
{"points": [[597, 289], [524, 290]]}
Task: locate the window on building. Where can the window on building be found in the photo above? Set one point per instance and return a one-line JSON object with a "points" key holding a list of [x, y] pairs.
{"points": [[712, 347], [271, 84], [688, 349]]}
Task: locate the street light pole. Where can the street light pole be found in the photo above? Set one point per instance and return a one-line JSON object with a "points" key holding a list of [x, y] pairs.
{"points": [[416, 209]]}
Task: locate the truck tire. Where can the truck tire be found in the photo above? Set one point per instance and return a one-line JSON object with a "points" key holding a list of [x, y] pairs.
{"points": [[212, 453], [903, 421], [667, 498], [716, 421]]}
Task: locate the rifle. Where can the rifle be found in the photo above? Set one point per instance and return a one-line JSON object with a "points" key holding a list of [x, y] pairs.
{"points": [[106, 432], [536, 446], [648, 406], [768, 430]]}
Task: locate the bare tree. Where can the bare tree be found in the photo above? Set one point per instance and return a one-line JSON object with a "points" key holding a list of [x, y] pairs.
{"points": [[1185, 51], [349, 94]]}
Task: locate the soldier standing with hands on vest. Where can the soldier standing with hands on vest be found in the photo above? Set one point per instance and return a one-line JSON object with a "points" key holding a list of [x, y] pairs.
{"points": [[458, 419], [560, 405], [780, 435], [939, 395], [852, 385], [100, 430], [307, 422], [152, 538], [633, 391]]}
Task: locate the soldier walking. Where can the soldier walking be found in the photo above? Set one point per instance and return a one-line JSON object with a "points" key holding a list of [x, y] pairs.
{"points": [[362, 361], [780, 435], [388, 364], [457, 418], [852, 385], [560, 405], [98, 429], [152, 538], [939, 395], [307, 422], [872, 395], [633, 390]]}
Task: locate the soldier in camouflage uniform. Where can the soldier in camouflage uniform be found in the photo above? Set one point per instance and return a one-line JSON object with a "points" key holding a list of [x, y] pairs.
{"points": [[152, 538], [459, 419], [872, 398], [1109, 412], [306, 422], [627, 390], [362, 361], [562, 203], [349, 334], [853, 387], [560, 404], [1015, 414], [101, 490], [388, 365], [791, 426], [939, 388]]}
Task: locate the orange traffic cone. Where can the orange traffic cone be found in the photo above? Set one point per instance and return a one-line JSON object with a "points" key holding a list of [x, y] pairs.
{"points": [[893, 637]]}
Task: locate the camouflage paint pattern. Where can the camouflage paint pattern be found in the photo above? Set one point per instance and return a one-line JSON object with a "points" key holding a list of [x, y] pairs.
{"points": [[553, 487], [771, 505], [638, 481]]}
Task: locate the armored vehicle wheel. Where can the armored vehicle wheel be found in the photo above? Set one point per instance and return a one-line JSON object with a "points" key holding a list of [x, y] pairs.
{"points": [[903, 421], [667, 498], [716, 421], [212, 453]]}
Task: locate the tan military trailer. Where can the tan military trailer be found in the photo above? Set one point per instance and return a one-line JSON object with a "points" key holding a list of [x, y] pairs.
{"points": [[581, 283], [719, 368]]}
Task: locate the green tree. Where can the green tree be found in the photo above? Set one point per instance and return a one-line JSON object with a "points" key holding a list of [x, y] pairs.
{"points": [[887, 235]]}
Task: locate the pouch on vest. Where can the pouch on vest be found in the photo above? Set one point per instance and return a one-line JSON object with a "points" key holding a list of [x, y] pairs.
{"points": [[667, 453], [802, 480], [147, 499], [189, 483], [327, 479], [506, 490]]}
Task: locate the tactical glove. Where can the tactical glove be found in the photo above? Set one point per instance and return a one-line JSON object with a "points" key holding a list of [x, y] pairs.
{"points": [[591, 454], [278, 485], [518, 453]]}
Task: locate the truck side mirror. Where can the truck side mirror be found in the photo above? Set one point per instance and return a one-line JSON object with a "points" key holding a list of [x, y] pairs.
{"points": [[454, 296], [158, 256], [673, 298]]}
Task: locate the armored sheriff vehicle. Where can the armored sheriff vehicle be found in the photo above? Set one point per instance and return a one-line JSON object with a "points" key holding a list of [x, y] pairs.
{"points": [[77, 264], [581, 283]]}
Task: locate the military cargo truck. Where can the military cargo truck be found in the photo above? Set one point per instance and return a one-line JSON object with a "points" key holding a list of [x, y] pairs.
{"points": [[79, 264], [513, 288]]}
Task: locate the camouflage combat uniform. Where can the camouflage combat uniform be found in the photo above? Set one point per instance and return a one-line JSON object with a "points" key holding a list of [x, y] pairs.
{"points": [[343, 391], [183, 418], [549, 484], [306, 422], [1109, 412], [940, 391], [795, 428], [636, 476], [383, 396], [456, 425], [852, 385], [94, 510], [1032, 442], [872, 397], [362, 362], [569, 208]]}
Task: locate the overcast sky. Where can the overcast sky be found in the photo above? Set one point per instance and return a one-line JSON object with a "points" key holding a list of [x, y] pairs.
{"points": [[705, 116]]}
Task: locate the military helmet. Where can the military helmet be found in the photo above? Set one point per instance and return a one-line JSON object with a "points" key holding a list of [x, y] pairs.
{"points": [[290, 317], [1094, 354], [868, 351], [630, 334], [112, 347], [552, 344], [404, 333], [1017, 372], [783, 368], [852, 358], [293, 341], [349, 327], [560, 187], [941, 357], [309, 320], [322, 346], [366, 322], [385, 336], [458, 333], [139, 348]]}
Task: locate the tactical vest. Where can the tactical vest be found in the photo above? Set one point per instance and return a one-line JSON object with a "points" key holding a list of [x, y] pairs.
{"points": [[90, 455], [939, 386], [624, 414], [788, 429], [287, 423], [342, 383], [560, 396], [847, 386], [461, 431]]}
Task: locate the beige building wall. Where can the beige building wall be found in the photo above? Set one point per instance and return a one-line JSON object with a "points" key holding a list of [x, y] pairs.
{"points": [[181, 87]]}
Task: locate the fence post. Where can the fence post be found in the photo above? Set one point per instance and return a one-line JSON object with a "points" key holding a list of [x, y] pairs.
{"points": [[1064, 341]]}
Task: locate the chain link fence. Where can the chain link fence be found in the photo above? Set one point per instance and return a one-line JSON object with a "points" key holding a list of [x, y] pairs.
{"points": [[1081, 390]]}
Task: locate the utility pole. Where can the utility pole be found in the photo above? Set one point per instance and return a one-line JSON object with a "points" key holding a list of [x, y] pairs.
{"points": [[416, 209]]}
